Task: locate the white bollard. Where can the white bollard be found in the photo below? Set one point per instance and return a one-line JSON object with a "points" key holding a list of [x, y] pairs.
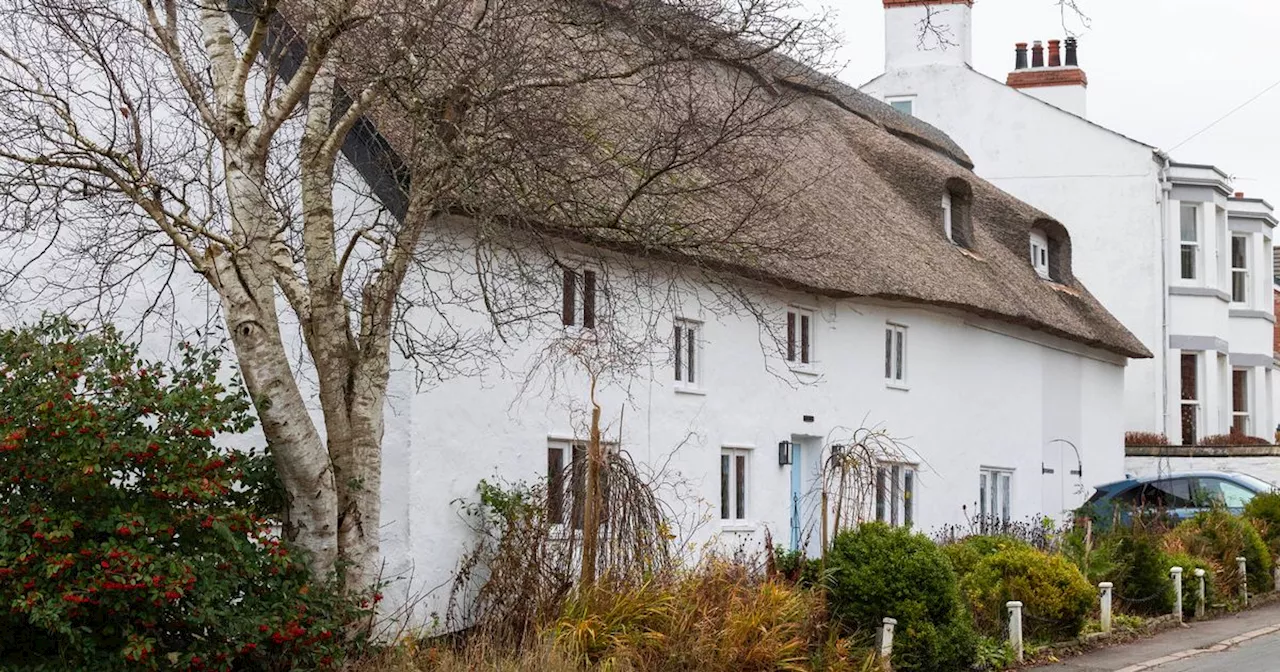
{"points": [[1244, 580], [886, 641], [1104, 615], [1015, 627], [1200, 593], [1176, 572]]}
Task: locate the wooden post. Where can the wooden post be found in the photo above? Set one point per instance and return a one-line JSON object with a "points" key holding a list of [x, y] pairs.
{"points": [[1244, 580], [1015, 627], [1200, 603], [591, 507], [885, 651]]}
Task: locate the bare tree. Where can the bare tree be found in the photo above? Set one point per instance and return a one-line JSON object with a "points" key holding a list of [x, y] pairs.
{"points": [[935, 34], [147, 138]]}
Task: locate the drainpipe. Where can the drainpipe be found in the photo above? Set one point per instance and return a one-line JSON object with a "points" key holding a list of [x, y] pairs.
{"points": [[1166, 190]]}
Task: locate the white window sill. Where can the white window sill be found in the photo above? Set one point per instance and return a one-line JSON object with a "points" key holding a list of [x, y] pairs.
{"points": [[692, 391], [803, 370], [737, 526], [896, 385]]}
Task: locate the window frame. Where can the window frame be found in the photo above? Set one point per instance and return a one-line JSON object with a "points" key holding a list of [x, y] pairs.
{"points": [[798, 351], [948, 215], [995, 494], [1192, 246], [735, 490], [575, 450], [689, 364], [1186, 404], [1039, 252], [1240, 397], [909, 99], [895, 355], [1241, 271], [580, 297], [896, 486]]}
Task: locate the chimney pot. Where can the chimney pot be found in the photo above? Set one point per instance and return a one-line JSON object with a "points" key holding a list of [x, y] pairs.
{"points": [[1072, 60], [1020, 57], [1239, 194], [1037, 54], [1055, 53]]}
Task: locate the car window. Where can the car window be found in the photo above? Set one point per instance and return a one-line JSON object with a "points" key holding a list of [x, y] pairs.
{"points": [[1221, 492], [1166, 493]]}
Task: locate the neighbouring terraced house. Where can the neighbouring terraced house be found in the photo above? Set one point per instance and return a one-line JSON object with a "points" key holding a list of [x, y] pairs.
{"points": [[1169, 248]]}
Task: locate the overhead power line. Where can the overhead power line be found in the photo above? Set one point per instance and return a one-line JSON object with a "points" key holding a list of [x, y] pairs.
{"points": [[1223, 118]]}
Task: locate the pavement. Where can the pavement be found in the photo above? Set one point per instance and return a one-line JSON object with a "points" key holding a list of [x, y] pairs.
{"points": [[1241, 642]]}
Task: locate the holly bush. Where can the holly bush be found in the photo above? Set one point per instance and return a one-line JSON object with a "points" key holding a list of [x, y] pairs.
{"points": [[128, 539]]}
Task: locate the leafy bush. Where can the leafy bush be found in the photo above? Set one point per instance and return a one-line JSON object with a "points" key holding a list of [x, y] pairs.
{"points": [[966, 553], [1056, 597], [1095, 557], [1219, 538], [1141, 574], [1145, 439], [1264, 512], [877, 571], [127, 539]]}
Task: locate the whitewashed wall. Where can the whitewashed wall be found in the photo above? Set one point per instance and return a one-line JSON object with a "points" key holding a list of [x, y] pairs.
{"points": [[1267, 468], [1104, 189]]}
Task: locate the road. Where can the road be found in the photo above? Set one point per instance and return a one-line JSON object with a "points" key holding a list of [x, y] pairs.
{"points": [[1247, 641], [1261, 654]]}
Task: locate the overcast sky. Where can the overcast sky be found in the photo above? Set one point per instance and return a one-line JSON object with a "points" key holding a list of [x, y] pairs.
{"points": [[1159, 70]]}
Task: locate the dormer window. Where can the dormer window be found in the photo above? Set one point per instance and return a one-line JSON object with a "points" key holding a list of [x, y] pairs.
{"points": [[1040, 253], [956, 221]]}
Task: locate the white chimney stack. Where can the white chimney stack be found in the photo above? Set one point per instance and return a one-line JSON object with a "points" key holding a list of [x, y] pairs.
{"points": [[927, 32]]}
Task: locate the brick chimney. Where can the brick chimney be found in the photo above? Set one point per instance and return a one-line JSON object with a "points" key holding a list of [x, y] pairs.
{"points": [[1060, 83], [927, 32]]}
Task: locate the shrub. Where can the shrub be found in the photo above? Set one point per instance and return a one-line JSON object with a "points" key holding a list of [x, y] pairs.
{"points": [[1141, 574], [966, 553], [127, 539], [877, 571], [719, 617], [1190, 584], [1219, 538], [1056, 597], [1233, 438], [1145, 439], [1264, 512], [1095, 557]]}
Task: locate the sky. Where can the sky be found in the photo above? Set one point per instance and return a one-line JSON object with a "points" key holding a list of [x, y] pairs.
{"points": [[1159, 70]]}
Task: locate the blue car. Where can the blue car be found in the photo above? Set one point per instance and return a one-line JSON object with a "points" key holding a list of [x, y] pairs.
{"points": [[1179, 495]]}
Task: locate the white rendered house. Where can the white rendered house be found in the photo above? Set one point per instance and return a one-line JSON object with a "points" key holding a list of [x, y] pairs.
{"points": [[1168, 248]]}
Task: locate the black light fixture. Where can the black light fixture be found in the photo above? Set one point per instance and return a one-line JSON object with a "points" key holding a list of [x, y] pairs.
{"points": [[784, 453]]}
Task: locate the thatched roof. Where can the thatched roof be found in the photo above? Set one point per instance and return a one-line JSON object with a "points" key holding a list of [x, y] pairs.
{"points": [[865, 187]]}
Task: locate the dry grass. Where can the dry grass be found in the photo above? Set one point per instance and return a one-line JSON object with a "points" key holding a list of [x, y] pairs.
{"points": [[719, 617]]}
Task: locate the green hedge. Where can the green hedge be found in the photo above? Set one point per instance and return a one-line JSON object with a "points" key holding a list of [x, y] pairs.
{"points": [[877, 571], [1056, 597]]}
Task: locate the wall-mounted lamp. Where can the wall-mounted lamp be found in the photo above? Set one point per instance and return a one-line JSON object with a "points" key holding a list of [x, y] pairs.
{"points": [[784, 453]]}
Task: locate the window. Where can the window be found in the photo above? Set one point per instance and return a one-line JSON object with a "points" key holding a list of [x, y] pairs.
{"points": [[1239, 269], [1220, 492], [1240, 401], [1190, 227], [567, 481], [579, 298], [1190, 397], [1040, 253], [895, 494], [799, 337], [895, 354], [688, 352], [946, 216], [733, 484], [1165, 493], [995, 495], [903, 105]]}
